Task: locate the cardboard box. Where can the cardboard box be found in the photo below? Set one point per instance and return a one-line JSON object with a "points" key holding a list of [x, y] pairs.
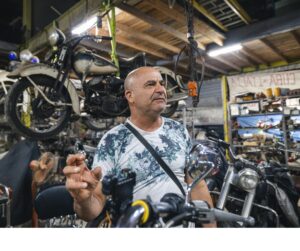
{"points": [[234, 109]]}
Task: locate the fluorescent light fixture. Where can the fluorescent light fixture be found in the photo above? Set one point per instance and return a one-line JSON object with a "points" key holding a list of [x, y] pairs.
{"points": [[225, 50], [85, 26]]}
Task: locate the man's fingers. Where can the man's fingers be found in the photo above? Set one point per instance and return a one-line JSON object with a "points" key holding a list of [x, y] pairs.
{"points": [[34, 165], [75, 185], [68, 170], [90, 179], [74, 159], [97, 172]]}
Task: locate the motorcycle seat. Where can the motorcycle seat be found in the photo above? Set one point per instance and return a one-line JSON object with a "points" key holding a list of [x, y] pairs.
{"points": [[53, 201], [129, 64], [141, 57]]}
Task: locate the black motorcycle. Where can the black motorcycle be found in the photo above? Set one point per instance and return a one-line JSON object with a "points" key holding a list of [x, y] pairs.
{"points": [[40, 103], [263, 190], [121, 211]]}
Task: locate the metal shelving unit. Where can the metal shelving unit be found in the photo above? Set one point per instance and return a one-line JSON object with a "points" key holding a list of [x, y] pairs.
{"points": [[283, 127]]}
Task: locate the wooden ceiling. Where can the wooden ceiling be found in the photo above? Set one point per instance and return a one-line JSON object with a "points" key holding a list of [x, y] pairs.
{"points": [[155, 27], [159, 28]]}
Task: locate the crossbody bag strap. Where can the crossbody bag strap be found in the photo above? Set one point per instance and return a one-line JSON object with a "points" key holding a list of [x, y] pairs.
{"points": [[156, 156]]}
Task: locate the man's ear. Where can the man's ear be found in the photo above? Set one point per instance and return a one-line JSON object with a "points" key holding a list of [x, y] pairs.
{"points": [[129, 96]]}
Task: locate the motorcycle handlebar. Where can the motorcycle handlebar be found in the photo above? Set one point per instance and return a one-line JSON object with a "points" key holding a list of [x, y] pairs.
{"points": [[225, 145], [132, 217], [140, 212]]}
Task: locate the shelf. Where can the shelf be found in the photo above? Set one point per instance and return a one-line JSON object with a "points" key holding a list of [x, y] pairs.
{"points": [[256, 128], [257, 114], [242, 146], [266, 99], [247, 123]]}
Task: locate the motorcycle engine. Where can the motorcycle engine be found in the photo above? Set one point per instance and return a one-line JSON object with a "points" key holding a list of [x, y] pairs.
{"points": [[105, 97]]}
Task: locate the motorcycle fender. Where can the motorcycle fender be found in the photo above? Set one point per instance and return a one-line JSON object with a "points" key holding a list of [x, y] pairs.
{"points": [[178, 78], [42, 69]]}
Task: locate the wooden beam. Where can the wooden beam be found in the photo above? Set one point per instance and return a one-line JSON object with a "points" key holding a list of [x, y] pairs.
{"points": [[145, 37], [152, 21], [246, 57], [200, 26], [295, 36], [228, 63], [239, 10], [273, 49], [207, 65], [209, 15], [243, 59], [252, 55], [95, 46], [185, 66], [211, 66], [133, 44], [139, 47]]}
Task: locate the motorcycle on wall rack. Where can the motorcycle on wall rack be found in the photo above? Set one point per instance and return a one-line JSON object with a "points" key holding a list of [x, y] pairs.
{"points": [[40, 104]]}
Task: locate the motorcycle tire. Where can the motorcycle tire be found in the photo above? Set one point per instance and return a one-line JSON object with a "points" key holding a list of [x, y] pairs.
{"points": [[3, 96], [14, 118]]}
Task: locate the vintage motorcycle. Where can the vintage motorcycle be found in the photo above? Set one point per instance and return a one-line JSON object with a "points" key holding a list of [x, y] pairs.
{"points": [[265, 191], [41, 102]]}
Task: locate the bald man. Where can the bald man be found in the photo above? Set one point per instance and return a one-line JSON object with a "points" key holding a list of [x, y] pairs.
{"points": [[119, 149]]}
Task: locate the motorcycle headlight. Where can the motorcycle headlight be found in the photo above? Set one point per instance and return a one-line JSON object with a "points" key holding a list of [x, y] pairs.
{"points": [[248, 179], [25, 55], [53, 38], [56, 38]]}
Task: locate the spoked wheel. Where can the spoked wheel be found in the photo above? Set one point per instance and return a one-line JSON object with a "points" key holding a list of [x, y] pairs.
{"points": [[3, 94], [29, 114]]}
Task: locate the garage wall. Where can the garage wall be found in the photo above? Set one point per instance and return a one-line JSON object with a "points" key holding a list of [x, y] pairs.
{"points": [[209, 110]]}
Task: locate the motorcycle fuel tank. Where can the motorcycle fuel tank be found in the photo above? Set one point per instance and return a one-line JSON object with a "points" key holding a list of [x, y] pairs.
{"points": [[90, 63]]}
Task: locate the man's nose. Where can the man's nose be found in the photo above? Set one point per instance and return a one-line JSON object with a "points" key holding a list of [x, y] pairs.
{"points": [[159, 87]]}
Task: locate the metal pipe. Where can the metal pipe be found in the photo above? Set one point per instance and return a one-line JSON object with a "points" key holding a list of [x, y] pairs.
{"points": [[225, 188]]}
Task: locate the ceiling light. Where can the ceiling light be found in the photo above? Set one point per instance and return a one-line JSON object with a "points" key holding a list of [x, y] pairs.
{"points": [[225, 50], [85, 26]]}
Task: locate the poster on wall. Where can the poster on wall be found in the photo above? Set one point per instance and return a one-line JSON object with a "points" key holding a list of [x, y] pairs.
{"points": [[259, 82]]}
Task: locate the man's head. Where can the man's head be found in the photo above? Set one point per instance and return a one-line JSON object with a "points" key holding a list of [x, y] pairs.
{"points": [[145, 91]]}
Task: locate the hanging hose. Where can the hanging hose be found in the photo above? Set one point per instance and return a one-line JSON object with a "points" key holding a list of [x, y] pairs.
{"points": [[109, 12]]}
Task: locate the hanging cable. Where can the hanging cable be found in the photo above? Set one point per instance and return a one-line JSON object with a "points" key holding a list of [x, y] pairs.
{"points": [[194, 84]]}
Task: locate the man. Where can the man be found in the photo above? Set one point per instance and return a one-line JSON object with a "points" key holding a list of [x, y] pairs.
{"points": [[119, 148]]}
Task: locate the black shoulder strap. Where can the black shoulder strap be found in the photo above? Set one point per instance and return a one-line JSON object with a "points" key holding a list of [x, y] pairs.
{"points": [[156, 156]]}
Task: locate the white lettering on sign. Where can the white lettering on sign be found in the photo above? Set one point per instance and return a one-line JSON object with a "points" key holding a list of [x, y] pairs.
{"points": [[259, 82]]}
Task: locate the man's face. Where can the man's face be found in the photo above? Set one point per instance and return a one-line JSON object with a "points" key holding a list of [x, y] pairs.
{"points": [[148, 91]]}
